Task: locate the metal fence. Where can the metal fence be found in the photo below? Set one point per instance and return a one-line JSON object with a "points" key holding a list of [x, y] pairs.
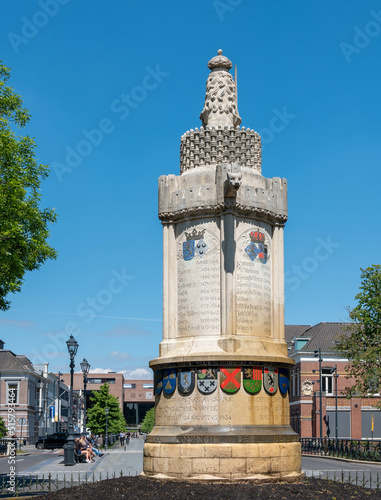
{"points": [[366, 479], [343, 448], [25, 485], [28, 485], [41, 484]]}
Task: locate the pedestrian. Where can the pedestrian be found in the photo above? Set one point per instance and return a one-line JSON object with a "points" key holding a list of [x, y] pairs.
{"points": [[121, 438], [128, 437]]}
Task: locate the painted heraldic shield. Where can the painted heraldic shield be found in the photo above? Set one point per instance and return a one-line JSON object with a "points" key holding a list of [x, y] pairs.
{"points": [[252, 379], [270, 379], [169, 380], [284, 381], [207, 380], [185, 381], [158, 378], [201, 248], [188, 250], [230, 379]]}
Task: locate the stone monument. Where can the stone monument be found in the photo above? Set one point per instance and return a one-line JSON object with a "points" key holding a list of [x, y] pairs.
{"points": [[222, 377]]}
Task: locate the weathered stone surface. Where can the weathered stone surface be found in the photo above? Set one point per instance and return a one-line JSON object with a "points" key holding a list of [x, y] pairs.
{"points": [[223, 308]]}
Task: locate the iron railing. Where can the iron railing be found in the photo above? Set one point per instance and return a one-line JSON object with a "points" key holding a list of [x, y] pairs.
{"points": [[343, 448], [21, 485], [39, 484]]}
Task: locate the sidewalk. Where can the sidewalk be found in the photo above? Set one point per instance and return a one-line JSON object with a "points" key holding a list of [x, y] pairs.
{"points": [[114, 460]]}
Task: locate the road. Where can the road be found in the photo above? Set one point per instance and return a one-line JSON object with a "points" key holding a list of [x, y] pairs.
{"points": [[26, 461], [362, 474]]}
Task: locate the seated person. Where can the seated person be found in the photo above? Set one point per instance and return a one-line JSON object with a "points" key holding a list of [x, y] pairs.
{"points": [[82, 449], [93, 448]]}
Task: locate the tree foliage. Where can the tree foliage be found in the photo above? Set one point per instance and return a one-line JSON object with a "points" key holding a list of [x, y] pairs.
{"points": [[3, 429], [23, 225], [362, 345], [96, 416], [149, 421]]}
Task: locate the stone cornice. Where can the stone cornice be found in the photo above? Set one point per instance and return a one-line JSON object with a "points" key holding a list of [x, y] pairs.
{"points": [[219, 208]]}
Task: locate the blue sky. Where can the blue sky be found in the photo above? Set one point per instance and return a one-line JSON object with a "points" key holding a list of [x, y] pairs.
{"points": [[112, 86]]}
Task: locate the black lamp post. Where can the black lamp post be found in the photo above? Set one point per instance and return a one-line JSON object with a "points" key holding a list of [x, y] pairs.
{"points": [[334, 371], [106, 412], [69, 459], [317, 353], [58, 401], [85, 367]]}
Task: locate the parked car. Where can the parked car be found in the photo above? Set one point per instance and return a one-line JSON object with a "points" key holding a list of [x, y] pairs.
{"points": [[56, 440]]}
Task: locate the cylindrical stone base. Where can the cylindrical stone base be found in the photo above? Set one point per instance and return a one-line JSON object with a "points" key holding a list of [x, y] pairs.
{"points": [[257, 462]]}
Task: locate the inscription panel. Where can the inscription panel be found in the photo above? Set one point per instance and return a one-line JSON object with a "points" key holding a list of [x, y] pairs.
{"points": [[198, 280], [210, 438], [253, 279], [193, 410]]}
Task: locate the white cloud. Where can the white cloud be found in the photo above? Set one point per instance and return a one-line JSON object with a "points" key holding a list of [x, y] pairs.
{"points": [[101, 370], [118, 354], [137, 374]]}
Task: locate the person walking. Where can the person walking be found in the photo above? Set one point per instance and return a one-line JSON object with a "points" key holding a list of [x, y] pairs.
{"points": [[121, 438]]}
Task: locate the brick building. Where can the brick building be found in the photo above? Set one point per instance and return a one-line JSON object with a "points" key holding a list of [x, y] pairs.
{"points": [[27, 392], [135, 396], [354, 416]]}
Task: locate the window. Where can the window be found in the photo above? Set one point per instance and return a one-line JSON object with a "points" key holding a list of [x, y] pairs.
{"points": [[293, 382], [129, 386], [101, 380], [327, 381], [147, 386], [12, 393]]}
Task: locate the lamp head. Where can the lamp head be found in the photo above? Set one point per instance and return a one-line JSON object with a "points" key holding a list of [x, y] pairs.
{"points": [[85, 366], [72, 346]]}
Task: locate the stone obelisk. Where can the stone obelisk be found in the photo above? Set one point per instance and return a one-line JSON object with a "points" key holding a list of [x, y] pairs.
{"points": [[222, 377]]}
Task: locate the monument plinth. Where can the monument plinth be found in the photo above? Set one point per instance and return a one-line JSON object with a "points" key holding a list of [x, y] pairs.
{"points": [[222, 377]]}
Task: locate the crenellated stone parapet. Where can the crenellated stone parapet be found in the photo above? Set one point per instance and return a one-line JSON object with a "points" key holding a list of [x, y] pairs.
{"points": [[213, 146], [202, 192]]}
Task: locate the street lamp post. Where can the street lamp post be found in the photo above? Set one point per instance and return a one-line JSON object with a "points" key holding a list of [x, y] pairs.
{"points": [[106, 412], [69, 458], [335, 374], [58, 401], [317, 352], [85, 367]]}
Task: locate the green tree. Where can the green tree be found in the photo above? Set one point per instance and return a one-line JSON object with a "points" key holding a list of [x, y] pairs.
{"points": [[23, 225], [362, 345], [149, 421], [3, 429], [96, 416]]}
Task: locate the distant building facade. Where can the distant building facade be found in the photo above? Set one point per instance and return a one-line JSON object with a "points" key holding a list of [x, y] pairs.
{"points": [[135, 396], [355, 415], [28, 396]]}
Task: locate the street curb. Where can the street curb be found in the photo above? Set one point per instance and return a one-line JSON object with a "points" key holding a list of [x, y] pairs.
{"points": [[341, 459]]}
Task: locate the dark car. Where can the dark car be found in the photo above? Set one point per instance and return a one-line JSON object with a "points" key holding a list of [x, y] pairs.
{"points": [[56, 440]]}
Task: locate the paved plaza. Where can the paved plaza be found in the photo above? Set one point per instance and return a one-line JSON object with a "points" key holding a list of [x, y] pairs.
{"points": [[127, 460]]}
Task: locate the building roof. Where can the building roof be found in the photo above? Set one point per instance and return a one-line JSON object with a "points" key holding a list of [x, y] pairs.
{"points": [[292, 331], [323, 335], [12, 363]]}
